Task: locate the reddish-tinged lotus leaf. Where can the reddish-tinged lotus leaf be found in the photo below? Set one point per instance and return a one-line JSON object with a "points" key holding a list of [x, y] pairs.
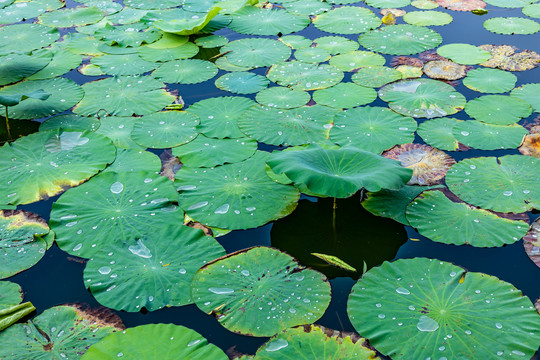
{"points": [[429, 165], [447, 70], [462, 5], [531, 243], [506, 57], [406, 60], [530, 145]]}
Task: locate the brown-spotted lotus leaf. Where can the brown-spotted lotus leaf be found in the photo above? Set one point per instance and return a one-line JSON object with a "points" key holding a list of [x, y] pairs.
{"points": [[531, 243], [395, 12], [406, 60], [506, 57], [169, 164], [462, 5], [409, 72], [429, 165], [430, 55], [446, 70], [530, 145]]}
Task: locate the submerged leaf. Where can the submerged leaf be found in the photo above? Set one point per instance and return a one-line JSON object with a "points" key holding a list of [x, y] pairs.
{"points": [[334, 260]]}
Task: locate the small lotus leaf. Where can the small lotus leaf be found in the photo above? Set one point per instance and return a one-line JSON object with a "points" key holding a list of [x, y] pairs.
{"points": [[498, 109], [256, 52], [424, 4], [427, 18], [442, 69], [382, 4], [512, 25], [295, 41], [304, 76], [127, 35], [531, 145], [344, 96], [484, 136], [308, 7], [211, 41], [464, 54], [11, 294], [190, 71], [510, 3], [242, 82], [128, 15], [490, 80], [26, 37], [356, 59], [347, 20], [532, 10], [528, 93], [183, 51], [132, 160], [129, 64], [409, 72], [439, 133], [336, 44], [165, 129], [312, 55], [375, 76], [77, 16], [21, 10], [256, 21], [224, 64], [532, 245], [209, 152], [400, 39], [282, 98]]}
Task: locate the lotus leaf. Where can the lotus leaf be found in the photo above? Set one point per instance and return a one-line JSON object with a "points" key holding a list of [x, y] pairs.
{"points": [[498, 109], [382, 4], [131, 160], [282, 97], [10, 294], [308, 7], [409, 72], [211, 41], [532, 10], [345, 95], [152, 341], [439, 133], [295, 41], [62, 62], [400, 39], [304, 76], [424, 4], [118, 129], [242, 82], [81, 44], [532, 245], [11, 310], [528, 93], [510, 3], [256, 52], [356, 59], [77, 16], [128, 64], [180, 21], [127, 35], [26, 37], [505, 184], [531, 145], [336, 44], [15, 67], [128, 15], [408, 308], [190, 71], [312, 55], [462, 5], [150, 4], [347, 20], [505, 57], [512, 25], [209, 152], [256, 21], [109, 7], [484, 136], [442, 69], [111, 208], [375, 76], [21, 10], [164, 129], [427, 18], [260, 291], [183, 51], [224, 64], [490, 80], [464, 54]]}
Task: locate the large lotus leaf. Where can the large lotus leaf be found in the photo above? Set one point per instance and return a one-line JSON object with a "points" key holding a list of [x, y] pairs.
{"points": [[21, 10], [421, 308], [46, 163], [308, 7], [189, 71], [303, 125], [532, 246], [62, 62], [77, 16], [155, 341], [505, 184], [165, 129], [256, 21], [304, 76], [180, 21], [506, 57], [400, 39], [439, 133], [490, 80], [256, 52], [465, 54], [127, 35], [427, 18], [61, 332], [15, 67], [64, 93], [242, 82], [373, 129], [260, 291], [234, 196], [131, 160], [345, 95], [498, 109], [282, 97], [183, 51], [340, 172], [26, 37], [347, 20], [219, 116], [320, 343], [484, 136], [335, 44], [209, 152], [375, 76], [123, 64], [151, 271], [124, 96], [442, 220], [528, 93], [356, 59], [425, 98], [512, 25], [110, 208], [312, 55]]}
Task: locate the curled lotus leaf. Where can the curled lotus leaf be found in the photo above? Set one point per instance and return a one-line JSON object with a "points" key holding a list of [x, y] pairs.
{"points": [[446, 70], [531, 242], [429, 165], [256, 21], [260, 291], [256, 52], [304, 76], [165, 129], [479, 135], [512, 26], [11, 309], [531, 145], [498, 109], [490, 80], [400, 39], [209, 152], [506, 57], [347, 20], [439, 133], [180, 21], [462, 5]]}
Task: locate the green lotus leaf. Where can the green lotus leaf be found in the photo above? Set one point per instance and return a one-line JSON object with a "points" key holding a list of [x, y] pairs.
{"points": [[12, 100], [165, 129], [427, 18], [312, 55], [148, 342], [151, 271], [77, 16], [224, 64], [26, 37], [4, 3], [100, 25], [256, 21], [219, 116], [190, 71], [61, 330], [11, 314], [90, 70], [439, 133], [81, 44], [118, 129], [180, 21], [532, 10], [127, 35], [108, 7], [295, 41], [46, 163], [242, 82], [124, 96], [304, 76], [234, 196], [128, 15], [116, 49], [375, 76], [464, 54], [62, 62], [15, 67], [400, 39], [528, 93], [335, 261], [132, 160], [21, 10], [512, 25], [340, 172], [11, 294], [282, 98], [423, 98], [479, 135], [256, 52], [211, 41], [336, 44], [260, 291], [417, 303], [356, 59], [307, 7], [209, 152], [128, 64], [381, 4], [505, 184], [183, 51], [490, 80], [344, 96], [347, 20], [424, 4], [110, 208], [373, 129], [510, 3], [150, 4], [498, 109], [303, 125]]}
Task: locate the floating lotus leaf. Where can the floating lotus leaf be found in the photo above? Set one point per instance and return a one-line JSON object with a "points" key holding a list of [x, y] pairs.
{"points": [[10, 309], [118, 129], [429, 165], [462, 5], [282, 97], [532, 245], [347, 20], [304, 76], [295, 41], [484, 136], [375, 76], [242, 82], [490, 80], [345, 95], [211, 41], [382, 4], [532, 10], [400, 39], [15, 67], [180, 21], [336, 44], [510, 3], [150, 4], [102, 211], [61, 330], [11, 294], [146, 342], [464, 53], [408, 308], [129, 64], [165, 129], [224, 64], [174, 253], [373, 129], [356, 59], [422, 98], [505, 184], [219, 116], [234, 196], [46, 163], [409, 72], [303, 125], [439, 133], [190, 71], [256, 52], [340, 172], [512, 25], [427, 18], [62, 62], [256, 21], [307, 7], [260, 291], [132, 160], [498, 109], [312, 55], [424, 4], [21, 10], [442, 69], [322, 343], [26, 37], [124, 96], [77, 16], [528, 93], [183, 51], [127, 35], [128, 15], [81, 44], [505, 57], [108, 7], [209, 152], [531, 145]]}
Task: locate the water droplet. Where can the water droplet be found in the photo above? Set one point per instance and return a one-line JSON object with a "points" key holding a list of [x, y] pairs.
{"points": [[381, 316], [245, 272], [276, 345], [197, 205], [182, 271], [220, 291], [517, 352], [453, 273], [193, 342], [425, 323], [120, 354], [507, 193], [498, 325], [117, 187], [104, 270], [378, 305], [292, 311], [77, 247], [468, 332], [187, 187], [223, 209], [403, 291], [412, 308], [140, 250], [465, 133]]}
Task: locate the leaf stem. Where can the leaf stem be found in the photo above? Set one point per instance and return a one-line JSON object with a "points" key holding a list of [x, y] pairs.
{"points": [[7, 124]]}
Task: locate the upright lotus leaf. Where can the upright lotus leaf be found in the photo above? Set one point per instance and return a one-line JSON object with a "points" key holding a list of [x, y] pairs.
{"points": [[308, 7], [505, 184], [490, 80], [321, 343], [260, 291], [26, 37], [336, 44], [189, 71], [234, 196], [15, 67], [373, 129], [347, 20], [442, 220], [528, 93], [339, 172], [70, 122], [256, 52], [124, 96], [128, 64], [182, 51], [57, 333], [484, 136], [62, 62], [512, 25], [423, 98], [165, 129], [209, 152], [219, 116], [312, 55], [427, 18], [345, 95], [282, 97], [461, 5], [151, 271], [127, 35], [256, 21], [531, 145], [304, 76], [356, 59], [303, 125], [400, 39], [242, 82], [506, 57], [439, 133], [498, 109], [46, 163], [408, 308], [375, 76], [464, 54], [152, 341], [446, 70], [211, 41], [110, 208], [132, 160], [532, 245], [71, 17]]}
